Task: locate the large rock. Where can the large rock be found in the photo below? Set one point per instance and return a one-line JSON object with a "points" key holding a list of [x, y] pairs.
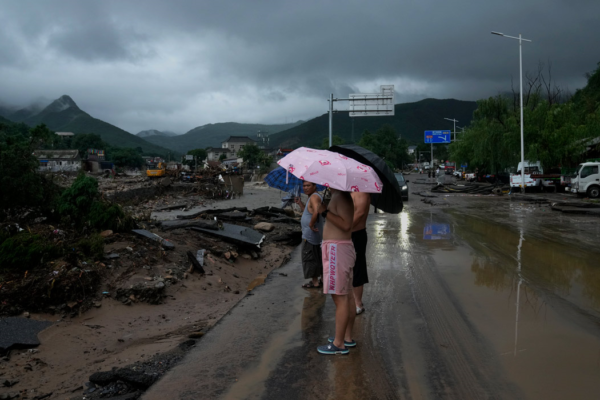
{"points": [[136, 378], [264, 227], [103, 378]]}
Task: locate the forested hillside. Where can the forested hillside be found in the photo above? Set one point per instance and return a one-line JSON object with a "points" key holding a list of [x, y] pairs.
{"points": [[63, 115], [409, 122], [212, 135]]}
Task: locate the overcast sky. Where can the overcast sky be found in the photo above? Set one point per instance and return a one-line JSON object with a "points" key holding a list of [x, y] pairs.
{"points": [[175, 65]]}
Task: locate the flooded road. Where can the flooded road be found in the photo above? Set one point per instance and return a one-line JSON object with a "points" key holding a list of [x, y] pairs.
{"points": [[493, 300]]}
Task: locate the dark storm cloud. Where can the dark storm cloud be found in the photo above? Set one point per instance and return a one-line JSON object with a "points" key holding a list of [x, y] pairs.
{"points": [[178, 64]]}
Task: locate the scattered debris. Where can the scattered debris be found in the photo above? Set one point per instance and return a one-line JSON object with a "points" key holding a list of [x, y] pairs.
{"points": [[176, 224], [236, 234], [154, 294], [195, 263], [152, 236]]}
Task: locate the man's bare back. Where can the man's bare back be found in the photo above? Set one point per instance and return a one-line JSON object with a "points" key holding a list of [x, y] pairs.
{"points": [[339, 217], [362, 203]]}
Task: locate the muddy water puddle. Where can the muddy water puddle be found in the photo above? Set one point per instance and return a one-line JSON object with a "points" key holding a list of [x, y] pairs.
{"points": [[533, 297], [259, 280]]}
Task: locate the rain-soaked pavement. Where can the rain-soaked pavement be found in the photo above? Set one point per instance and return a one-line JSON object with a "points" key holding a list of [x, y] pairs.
{"points": [[489, 300]]}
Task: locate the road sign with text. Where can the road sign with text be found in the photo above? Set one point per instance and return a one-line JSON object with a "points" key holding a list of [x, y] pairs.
{"points": [[373, 104], [437, 136]]}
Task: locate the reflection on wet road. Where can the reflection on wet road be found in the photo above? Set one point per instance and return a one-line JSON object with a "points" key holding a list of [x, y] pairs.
{"points": [[486, 304]]}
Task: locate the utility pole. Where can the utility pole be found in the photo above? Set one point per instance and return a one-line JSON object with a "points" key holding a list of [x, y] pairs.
{"points": [[331, 120], [454, 130]]}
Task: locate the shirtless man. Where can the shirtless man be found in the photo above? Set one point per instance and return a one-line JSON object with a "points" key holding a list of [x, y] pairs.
{"points": [[338, 262], [362, 203]]}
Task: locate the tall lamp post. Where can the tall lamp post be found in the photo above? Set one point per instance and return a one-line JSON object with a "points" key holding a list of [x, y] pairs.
{"points": [[454, 130], [520, 39]]}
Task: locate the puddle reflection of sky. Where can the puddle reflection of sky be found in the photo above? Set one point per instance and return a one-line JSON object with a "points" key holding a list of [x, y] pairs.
{"points": [[436, 232]]}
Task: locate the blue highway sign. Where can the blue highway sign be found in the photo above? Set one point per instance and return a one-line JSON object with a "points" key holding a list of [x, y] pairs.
{"points": [[437, 136]]}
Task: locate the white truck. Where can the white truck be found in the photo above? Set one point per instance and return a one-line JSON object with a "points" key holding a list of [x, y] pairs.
{"points": [[587, 181], [530, 169]]}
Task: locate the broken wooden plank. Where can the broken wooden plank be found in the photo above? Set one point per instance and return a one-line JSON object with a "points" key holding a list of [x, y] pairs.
{"points": [[154, 237], [236, 234], [178, 224]]}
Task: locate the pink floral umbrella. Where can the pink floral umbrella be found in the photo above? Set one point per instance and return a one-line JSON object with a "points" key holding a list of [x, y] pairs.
{"points": [[331, 170]]}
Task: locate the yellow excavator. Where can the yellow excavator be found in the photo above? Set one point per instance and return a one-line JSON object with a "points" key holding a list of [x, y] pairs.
{"points": [[156, 170]]}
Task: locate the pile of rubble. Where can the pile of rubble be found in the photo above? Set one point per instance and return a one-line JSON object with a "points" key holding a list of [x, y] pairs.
{"points": [[472, 188]]}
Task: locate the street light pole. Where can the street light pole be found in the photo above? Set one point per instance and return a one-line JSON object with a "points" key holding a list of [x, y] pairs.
{"points": [[331, 120], [454, 130], [520, 39]]}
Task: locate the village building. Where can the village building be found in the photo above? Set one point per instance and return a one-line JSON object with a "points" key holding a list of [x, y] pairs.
{"points": [[58, 160], [96, 161], [214, 153], [236, 143]]}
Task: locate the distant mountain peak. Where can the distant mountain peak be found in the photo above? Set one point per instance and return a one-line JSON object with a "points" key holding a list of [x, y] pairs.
{"points": [[63, 102]]}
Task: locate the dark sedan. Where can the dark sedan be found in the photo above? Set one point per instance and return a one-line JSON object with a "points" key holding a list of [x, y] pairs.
{"points": [[403, 185]]}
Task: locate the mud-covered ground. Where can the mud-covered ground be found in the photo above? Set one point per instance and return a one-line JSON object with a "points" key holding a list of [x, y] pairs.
{"points": [[147, 307], [123, 335], [477, 297]]}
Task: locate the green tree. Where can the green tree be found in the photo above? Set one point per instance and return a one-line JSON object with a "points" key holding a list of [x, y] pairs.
{"points": [[81, 204], [335, 139], [385, 144], [21, 186], [84, 141], [556, 132], [251, 154], [126, 157], [222, 157], [199, 156]]}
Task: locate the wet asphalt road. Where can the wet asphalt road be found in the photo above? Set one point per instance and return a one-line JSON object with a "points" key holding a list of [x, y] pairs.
{"points": [[488, 300]]}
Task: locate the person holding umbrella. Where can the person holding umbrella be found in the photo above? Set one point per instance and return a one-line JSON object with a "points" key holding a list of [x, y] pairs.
{"points": [[312, 235], [338, 262], [342, 175]]}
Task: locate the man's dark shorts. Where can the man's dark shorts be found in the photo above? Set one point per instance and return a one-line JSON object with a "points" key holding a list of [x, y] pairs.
{"points": [[359, 238], [312, 261]]}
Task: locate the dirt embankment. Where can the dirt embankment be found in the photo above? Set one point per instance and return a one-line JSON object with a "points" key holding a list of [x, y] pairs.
{"points": [[147, 306]]}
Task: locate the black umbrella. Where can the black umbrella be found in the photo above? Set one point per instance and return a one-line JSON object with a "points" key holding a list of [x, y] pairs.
{"points": [[390, 198]]}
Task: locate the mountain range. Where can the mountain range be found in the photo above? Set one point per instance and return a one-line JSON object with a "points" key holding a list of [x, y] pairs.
{"points": [[410, 120], [212, 135], [63, 115]]}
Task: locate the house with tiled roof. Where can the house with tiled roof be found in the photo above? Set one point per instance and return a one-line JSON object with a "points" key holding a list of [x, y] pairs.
{"points": [[58, 160], [236, 143]]}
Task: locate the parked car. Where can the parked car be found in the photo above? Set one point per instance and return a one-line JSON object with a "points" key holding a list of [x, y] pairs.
{"points": [[403, 185]]}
